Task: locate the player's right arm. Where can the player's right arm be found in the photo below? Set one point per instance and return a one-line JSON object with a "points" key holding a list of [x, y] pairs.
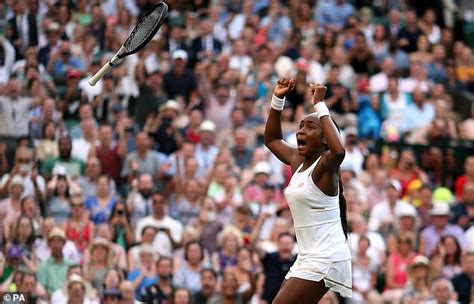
{"points": [[273, 136]]}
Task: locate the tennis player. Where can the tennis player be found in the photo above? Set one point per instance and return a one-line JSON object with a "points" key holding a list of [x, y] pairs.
{"points": [[315, 197]]}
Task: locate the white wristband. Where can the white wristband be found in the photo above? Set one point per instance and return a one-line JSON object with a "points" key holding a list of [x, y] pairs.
{"points": [[278, 103], [321, 109]]}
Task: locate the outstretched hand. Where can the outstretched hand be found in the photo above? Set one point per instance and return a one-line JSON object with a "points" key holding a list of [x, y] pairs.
{"points": [[283, 87], [318, 91]]}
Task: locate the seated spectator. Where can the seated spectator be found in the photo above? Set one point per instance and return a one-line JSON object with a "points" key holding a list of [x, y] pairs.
{"points": [[42, 249], [364, 274], [25, 167], [163, 289], [446, 259], [443, 292], [143, 160], [121, 227], [11, 205], [145, 275], [87, 182], [383, 215], [397, 264], [100, 261], [139, 199], [418, 288], [59, 193], [52, 272], [100, 205], [462, 213], [170, 230], [244, 273], [181, 295], [73, 166], [189, 275], [229, 290], [208, 286], [230, 240], [466, 177], [79, 228], [463, 282], [276, 265], [431, 235]]}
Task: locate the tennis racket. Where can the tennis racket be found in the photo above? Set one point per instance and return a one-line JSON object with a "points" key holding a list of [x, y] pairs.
{"points": [[145, 29]]}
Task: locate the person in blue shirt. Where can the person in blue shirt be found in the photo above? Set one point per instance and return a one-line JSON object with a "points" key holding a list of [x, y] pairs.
{"points": [[146, 275], [101, 205]]}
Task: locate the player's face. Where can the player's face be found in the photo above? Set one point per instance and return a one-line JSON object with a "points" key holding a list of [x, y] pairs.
{"points": [[309, 135]]}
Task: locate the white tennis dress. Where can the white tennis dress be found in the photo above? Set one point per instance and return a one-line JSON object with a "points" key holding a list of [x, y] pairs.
{"points": [[324, 252]]}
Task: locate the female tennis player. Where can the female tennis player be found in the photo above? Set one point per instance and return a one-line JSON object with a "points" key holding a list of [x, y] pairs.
{"points": [[315, 198]]}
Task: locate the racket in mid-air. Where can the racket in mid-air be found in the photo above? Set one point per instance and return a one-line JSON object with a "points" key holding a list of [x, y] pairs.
{"points": [[145, 29]]}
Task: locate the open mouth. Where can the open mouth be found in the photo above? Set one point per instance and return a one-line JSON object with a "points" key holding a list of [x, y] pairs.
{"points": [[301, 143]]}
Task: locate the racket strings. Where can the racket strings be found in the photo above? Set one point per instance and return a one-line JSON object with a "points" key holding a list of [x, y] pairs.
{"points": [[144, 29]]}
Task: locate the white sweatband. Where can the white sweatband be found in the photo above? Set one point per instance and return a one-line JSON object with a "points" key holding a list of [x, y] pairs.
{"points": [[278, 103], [321, 109]]}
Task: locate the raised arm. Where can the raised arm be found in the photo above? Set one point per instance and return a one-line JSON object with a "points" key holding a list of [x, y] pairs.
{"points": [[333, 159], [273, 135]]}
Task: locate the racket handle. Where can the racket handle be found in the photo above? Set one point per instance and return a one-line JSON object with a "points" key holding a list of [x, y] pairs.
{"points": [[104, 70]]}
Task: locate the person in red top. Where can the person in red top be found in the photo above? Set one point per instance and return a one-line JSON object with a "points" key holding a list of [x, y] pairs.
{"points": [[111, 154], [397, 267], [79, 228], [407, 170], [463, 179]]}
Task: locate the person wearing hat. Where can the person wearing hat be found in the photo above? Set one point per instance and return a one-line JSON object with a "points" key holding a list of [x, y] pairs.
{"points": [[52, 272], [180, 82], [164, 128], [418, 288], [101, 255], [406, 221], [439, 227], [383, 215], [206, 151]]}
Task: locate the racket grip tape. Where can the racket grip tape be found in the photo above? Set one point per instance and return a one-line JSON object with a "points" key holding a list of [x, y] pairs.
{"points": [[104, 70]]}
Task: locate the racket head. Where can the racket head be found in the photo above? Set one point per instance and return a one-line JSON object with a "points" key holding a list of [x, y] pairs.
{"points": [[145, 29]]}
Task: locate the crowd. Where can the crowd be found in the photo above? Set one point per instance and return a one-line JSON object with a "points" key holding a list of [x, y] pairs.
{"points": [[154, 185]]}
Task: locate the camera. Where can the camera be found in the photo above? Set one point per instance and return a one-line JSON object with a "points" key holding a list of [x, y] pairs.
{"points": [[120, 212]]}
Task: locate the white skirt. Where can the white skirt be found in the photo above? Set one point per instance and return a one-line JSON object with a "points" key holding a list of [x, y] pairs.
{"points": [[337, 276]]}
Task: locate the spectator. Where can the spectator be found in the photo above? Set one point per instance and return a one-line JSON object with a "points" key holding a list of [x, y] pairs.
{"points": [[440, 227], [162, 290], [443, 292], [420, 281], [180, 83], [72, 166], [208, 286], [463, 282], [79, 228], [466, 177], [170, 230], [139, 201], [189, 275], [276, 265], [96, 268], [397, 263], [88, 181], [379, 83], [143, 160], [14, 110], [446, 259], [463, 211], [11, 206], [100, 205], [52, 272], [145, 275], [43, 250], [364, 274], [206, 151], [408, 35], [382, 217], [122, 229], [334, 14], [181, 295]]}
